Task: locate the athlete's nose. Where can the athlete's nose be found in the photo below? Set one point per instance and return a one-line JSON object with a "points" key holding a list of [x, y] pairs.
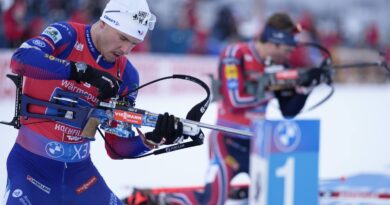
{"points": [[127, 47]]}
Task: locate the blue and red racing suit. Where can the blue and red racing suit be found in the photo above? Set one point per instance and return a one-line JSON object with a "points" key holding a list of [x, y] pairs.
{"points": [[240, 64], [50, 163]]}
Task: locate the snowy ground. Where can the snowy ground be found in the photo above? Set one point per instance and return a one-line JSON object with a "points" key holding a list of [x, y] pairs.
{"points": [[354, 139]]}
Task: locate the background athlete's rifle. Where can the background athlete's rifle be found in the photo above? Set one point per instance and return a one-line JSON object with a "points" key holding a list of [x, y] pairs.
{"points": [[277, 78]]}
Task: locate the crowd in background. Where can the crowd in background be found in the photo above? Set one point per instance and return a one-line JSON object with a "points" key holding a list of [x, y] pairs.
{"points": [[190, 26], [22, 19], [183, 26]]}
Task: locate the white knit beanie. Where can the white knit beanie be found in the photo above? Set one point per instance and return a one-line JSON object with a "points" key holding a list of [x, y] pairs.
{"points": [[131, 17]]}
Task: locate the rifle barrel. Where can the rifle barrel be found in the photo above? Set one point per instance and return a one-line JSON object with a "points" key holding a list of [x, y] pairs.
{"points": [[358, 65], [219, 128]]}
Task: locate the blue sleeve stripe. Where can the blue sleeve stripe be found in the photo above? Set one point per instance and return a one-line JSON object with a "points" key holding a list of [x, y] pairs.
{"points": [[242, 102], [239, 101], [231, 51], [35, 63]]}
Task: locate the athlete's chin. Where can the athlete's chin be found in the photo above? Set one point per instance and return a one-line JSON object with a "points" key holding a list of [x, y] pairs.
{"points": [[110, 58]]}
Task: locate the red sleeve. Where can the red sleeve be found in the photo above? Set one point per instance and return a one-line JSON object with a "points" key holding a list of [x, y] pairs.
{"points": [[233, 81], [119, 148]]}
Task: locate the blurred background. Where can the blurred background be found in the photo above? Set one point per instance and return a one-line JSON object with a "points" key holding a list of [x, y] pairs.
{"points": [[204, 27], [200, 26], [188, 37]]}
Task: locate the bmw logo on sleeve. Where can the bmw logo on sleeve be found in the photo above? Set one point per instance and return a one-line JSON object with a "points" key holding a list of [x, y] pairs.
{"points": [[287, 136], [54, 149]]}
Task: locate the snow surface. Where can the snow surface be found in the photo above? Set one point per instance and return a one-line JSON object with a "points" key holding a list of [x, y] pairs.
{"points": [[354, 139]]}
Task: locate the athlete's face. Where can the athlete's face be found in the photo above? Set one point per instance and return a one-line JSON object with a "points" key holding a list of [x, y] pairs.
{"points": [[113, 43], [281, 53]]}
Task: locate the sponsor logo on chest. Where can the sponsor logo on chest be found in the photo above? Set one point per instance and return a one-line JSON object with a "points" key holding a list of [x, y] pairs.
{"points": [[79, 46]]}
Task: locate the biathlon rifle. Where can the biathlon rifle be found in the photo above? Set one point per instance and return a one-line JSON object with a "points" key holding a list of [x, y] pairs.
{"points": [[126, 116], [116, 116]]}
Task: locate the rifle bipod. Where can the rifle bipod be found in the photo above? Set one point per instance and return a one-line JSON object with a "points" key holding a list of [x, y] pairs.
{"points": [[18, 81]]}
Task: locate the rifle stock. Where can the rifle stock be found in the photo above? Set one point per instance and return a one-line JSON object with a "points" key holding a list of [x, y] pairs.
{"points": [[90, 128]]}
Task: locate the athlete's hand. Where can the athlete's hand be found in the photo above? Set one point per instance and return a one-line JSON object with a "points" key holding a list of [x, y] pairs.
{"points": [[195, 115], [314, 76], [167, 130], [106, 84]]}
